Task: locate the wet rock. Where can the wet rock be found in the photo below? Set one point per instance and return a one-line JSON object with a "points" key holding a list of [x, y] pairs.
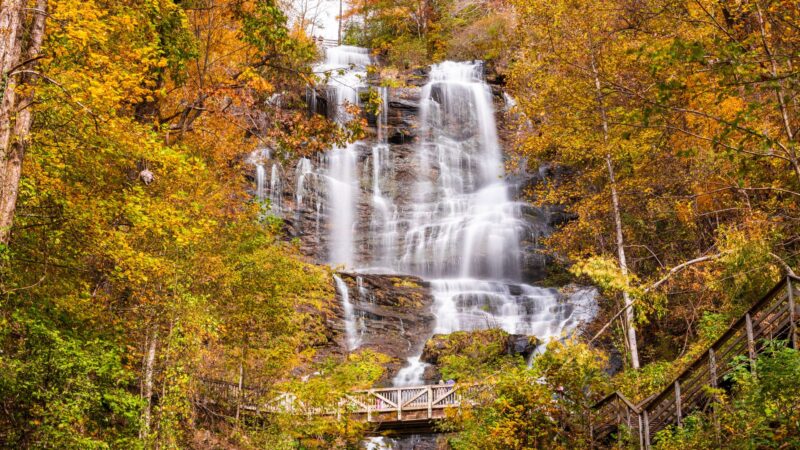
{"points": [[519, 344], [404, 104], [401, 136], [393, 312]]}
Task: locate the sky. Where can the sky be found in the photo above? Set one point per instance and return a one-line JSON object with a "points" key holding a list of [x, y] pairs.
{"points": [[328, 19]]}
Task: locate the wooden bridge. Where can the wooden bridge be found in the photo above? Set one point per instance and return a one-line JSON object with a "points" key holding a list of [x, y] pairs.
{"points": [[775, 316], [400, 409]]}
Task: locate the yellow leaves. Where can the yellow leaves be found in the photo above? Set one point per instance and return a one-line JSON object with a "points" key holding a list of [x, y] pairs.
{"points": [[684, 211], [730, 107], [255, 81], [604, 272]]}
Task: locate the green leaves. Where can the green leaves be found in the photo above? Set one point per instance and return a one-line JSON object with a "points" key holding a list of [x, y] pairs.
{"points": [[265, 27], [762, 411], [70, 389]]}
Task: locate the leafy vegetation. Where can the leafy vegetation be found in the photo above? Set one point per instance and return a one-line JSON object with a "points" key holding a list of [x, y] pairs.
{"points": [[545, 406], [134, 267], [760, 413], [664, 126]]}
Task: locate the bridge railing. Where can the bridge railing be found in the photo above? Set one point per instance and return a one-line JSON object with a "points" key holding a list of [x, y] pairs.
{"points": [[405, 399], [775, 316], [371, 403]]}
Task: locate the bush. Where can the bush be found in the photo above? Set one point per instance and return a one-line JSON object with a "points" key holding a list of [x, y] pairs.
{"points": [[545, 406], [407, 52], [64, 390]]}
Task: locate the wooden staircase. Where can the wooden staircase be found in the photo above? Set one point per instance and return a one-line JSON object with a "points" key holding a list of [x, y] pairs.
{"points": [[774, 317]]}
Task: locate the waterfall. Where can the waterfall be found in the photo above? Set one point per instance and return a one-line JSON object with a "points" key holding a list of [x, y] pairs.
{"points": [[451, 219], [412, 373], [383, 115], [342, 197], [257, 158], [464, 229], [347, 68], [301, 172], [352, 335], [261, 181], [463, 222], [275, 189], [383, 223]]}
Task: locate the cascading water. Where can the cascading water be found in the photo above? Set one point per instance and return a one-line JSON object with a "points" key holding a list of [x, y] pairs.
{"points": [[352, 335], [261, 181], [383, 223], [303, 170], [463, 223], [453, 222], [464, 228], [346, 67], [275, 189], [258, 158]]}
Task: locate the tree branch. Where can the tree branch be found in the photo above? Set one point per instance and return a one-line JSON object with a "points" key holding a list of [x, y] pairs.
{"points": [[653, 286]]}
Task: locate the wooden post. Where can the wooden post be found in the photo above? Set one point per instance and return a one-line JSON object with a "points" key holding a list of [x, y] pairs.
{"points": [[678, 411], [792, 314], [641, 434], [399, 404], [751, 344], [430, 402], [646, 420], [712, 367]]}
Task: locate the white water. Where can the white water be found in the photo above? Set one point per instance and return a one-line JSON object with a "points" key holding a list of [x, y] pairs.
{"points": [[352, 335], [411, 374], [464, 228], [303, 170], [261, 181], [275, 189], [347, 67]]}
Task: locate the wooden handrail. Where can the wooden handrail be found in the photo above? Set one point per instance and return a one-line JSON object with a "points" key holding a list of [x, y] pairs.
{"points": [[369, 403], [775, 312]]}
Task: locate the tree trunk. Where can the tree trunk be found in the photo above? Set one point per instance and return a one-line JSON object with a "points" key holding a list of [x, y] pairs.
{"points": [[623, 267], [147, 391], [340, 22], [630, 329], [18, 49], [240, 392]]}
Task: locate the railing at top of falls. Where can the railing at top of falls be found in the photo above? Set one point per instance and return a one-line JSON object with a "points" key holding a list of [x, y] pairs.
{"points": [[395, 404], [325, 42], [775, 316]]}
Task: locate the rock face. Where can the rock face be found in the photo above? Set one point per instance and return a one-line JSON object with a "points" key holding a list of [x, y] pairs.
{"points": [[301, 186], [393, 315]]}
